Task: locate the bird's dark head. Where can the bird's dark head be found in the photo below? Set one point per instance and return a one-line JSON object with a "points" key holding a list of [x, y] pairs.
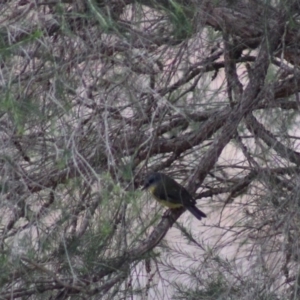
{"points": [[152, 180]]}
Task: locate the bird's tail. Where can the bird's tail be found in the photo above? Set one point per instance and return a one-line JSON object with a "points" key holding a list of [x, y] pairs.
{"points": [[196, 212]]}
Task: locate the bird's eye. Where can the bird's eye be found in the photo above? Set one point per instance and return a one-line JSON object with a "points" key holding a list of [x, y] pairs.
{"points": [[151, 180]]}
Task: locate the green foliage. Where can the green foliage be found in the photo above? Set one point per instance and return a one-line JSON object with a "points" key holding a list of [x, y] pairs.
{"points": [[25, 39], [20, 111], [5, 267], [103, 17], [180, 15], [181, 20]]}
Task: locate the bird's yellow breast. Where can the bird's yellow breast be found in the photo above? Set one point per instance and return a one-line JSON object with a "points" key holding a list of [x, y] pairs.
{"points": [[169, 204], [163, 202]]}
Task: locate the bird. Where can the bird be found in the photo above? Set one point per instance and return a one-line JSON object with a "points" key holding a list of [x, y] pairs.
{"points": [[171, 194]]}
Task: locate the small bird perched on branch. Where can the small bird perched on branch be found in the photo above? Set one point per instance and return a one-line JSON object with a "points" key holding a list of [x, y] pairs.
{"points": [[171, 194]]}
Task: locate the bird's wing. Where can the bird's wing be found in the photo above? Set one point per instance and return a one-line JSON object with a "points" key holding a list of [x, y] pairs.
{"points": [[186, 197], [170, 195], [176, 194], [180, 195]]}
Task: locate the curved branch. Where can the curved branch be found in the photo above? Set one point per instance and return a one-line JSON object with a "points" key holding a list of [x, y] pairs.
{"points": [[259, 131]]}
